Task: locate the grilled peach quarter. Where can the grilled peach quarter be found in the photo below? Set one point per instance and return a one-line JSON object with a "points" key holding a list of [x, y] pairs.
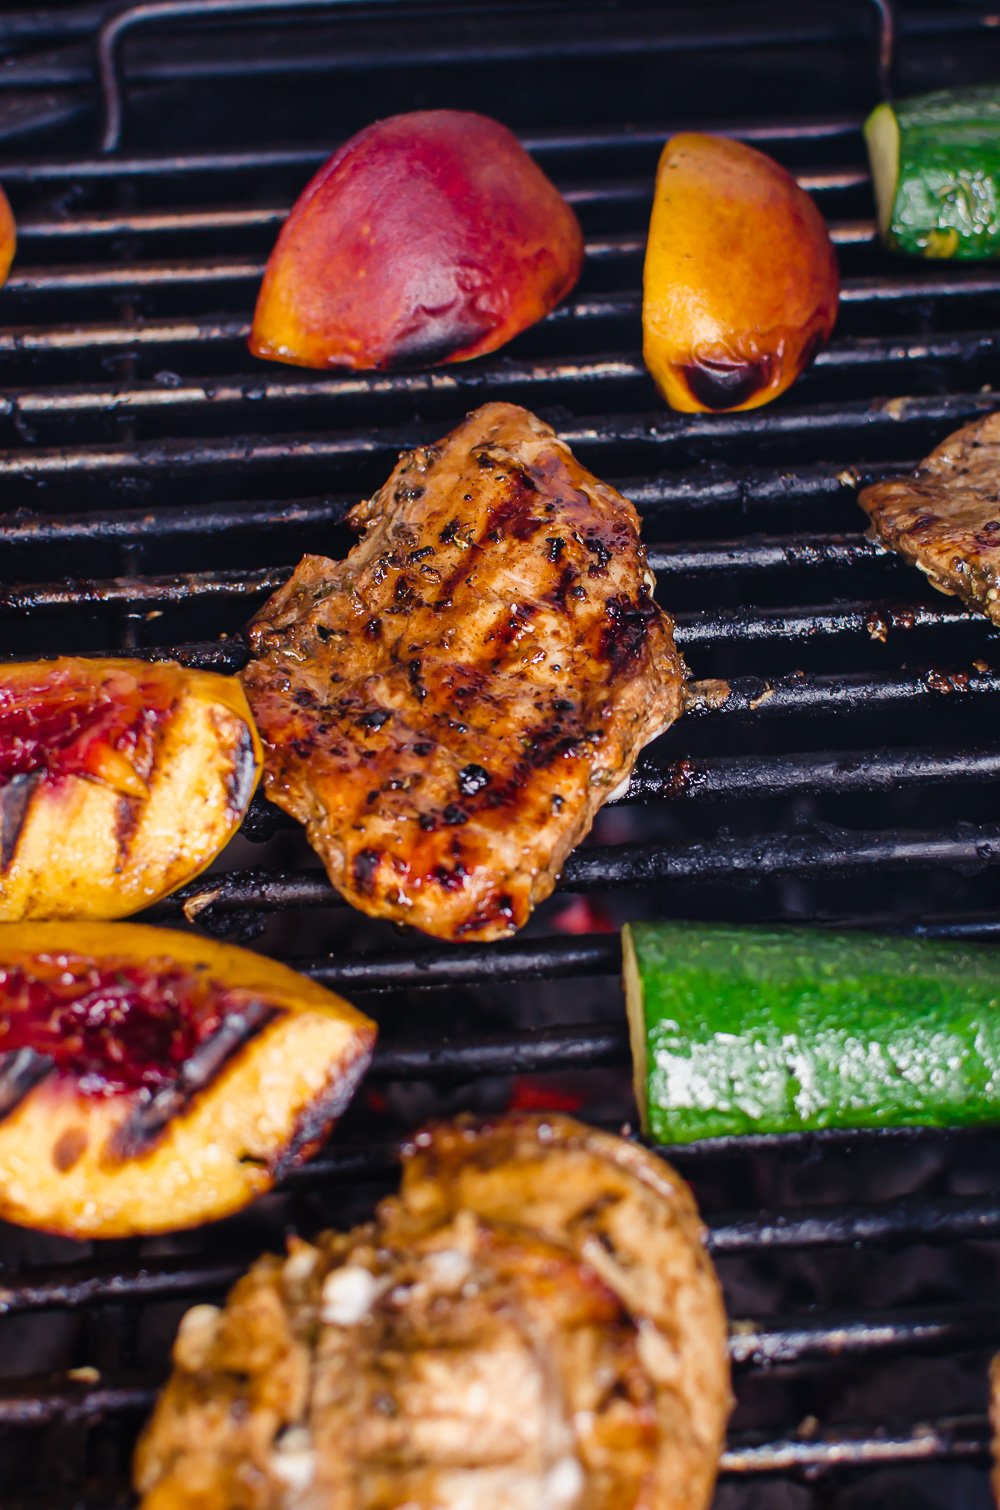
{"points": [[740, 284], [151, 1080], [427, 238], [8, 237], [119, 781]]}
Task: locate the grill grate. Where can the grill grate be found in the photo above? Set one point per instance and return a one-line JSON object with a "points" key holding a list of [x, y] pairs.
{"points": [[157, 483]]}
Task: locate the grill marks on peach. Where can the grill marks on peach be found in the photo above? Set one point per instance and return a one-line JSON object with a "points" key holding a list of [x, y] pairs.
{"points": [[160, 1035], [118, 782]]}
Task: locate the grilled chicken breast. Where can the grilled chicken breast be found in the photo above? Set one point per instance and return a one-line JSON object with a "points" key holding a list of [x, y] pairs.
{"points": [[946, 518], [446, 709], [533, 1324]]}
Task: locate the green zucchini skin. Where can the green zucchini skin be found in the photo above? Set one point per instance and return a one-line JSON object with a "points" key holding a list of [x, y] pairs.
{"points": [[747, 1030], [945, 199]]}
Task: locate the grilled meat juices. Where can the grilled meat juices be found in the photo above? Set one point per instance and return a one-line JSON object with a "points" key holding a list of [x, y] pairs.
{"points": [[150, 1080], [447, 708], [533, 1324], [946, 518]]}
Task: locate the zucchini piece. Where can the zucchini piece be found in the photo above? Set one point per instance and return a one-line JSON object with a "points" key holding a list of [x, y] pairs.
{"points": [[935, 164], [747, 1030]]}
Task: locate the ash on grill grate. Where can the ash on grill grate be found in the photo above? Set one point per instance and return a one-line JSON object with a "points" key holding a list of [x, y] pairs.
{"points": [[157, 482]]}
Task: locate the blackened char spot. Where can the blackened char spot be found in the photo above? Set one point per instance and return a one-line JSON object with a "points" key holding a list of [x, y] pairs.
{"points": [[511, 628], [472, 779], [513, 514], [375, 719], [319, 1115], [548, 745], [434, 340], [449, 880], [567, 584], [597, 547], [366, 863], [624, 637], [454, 815], [20, 1071], [153, 1110], [14, 800], [723, 385], [373, 629], [239, 779], [493, 910]]}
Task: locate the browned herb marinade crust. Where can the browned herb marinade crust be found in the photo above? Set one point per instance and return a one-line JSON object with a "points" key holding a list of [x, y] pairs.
{"points": [[945, 519], [533, 1324], [446, 709]]}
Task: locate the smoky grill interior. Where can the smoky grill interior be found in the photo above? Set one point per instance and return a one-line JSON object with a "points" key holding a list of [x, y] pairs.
{"points": [[157, 482]]}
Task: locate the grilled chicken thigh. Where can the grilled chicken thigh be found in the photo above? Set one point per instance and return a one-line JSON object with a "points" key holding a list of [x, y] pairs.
{"points": [[533, 1324], [447, 708], [946, 518]]}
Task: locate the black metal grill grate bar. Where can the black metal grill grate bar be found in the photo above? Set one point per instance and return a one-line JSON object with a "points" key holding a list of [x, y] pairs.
{"points": [[640, 865], [216, 394]]}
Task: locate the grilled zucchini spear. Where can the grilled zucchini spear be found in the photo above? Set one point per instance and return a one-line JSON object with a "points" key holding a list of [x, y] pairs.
{"points": [[749, 1030], [119, 781], [935, 163], [151, 1080]]}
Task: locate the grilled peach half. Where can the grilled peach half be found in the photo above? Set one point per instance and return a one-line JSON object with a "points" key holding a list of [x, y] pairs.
{"points": [[429, 237], [740, 285], [151, 1080], [118, 782], [8, 237]]}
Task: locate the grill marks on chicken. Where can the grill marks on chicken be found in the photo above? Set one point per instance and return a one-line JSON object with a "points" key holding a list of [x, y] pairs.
{"points": [[533, 1324], [447, 708], [945, 519]]}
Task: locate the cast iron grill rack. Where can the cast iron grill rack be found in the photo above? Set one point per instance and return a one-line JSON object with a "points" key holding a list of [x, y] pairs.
{"points": [[838, 763]]}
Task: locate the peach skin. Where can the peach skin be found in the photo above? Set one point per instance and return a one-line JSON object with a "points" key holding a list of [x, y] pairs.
{"points": [[427, 238], [740, 283]]}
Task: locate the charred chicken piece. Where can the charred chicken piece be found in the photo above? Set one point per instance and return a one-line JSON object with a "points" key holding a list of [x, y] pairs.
{"points": [[151, 1080], [446, 709], [533, 1324], [945, 519], [119, 781]]}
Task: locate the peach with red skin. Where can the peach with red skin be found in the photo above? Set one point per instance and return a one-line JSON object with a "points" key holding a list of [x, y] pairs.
{"points": [[740, 285], [427, 238]]}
